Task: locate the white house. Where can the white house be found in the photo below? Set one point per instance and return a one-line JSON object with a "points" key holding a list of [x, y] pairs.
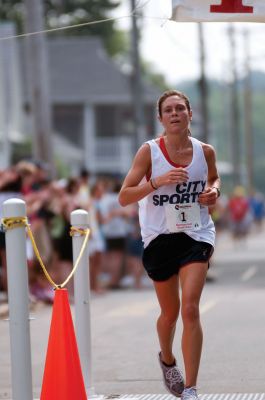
{"points": [[91, 104]]}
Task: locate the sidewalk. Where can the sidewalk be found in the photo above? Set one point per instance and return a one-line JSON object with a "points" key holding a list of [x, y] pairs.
{"points": [[251, 248], [4, 305]]}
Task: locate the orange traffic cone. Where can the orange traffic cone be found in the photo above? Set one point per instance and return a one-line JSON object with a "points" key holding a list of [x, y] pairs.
{"points": [[62, 379]]}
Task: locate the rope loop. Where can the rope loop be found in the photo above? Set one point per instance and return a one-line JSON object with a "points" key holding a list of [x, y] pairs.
{"points": [[77, 231], [14, 222], [18, 222]]}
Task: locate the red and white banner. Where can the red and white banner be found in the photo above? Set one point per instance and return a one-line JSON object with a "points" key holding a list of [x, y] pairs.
{"points": [[218, 10]]}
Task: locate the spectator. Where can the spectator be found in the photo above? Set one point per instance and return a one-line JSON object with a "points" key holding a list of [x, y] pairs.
{"points": [[115, 229], [64, 201], [239, 212], [96, 242], [256, 202], [135, 249], [84, 195]]}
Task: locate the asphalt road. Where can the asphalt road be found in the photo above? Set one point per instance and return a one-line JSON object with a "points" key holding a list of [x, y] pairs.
{"points": [[124, 341]]}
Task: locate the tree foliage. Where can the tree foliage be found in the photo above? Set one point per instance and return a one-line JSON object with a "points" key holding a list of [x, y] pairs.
{"points": [[152, 76], [59, 13]]}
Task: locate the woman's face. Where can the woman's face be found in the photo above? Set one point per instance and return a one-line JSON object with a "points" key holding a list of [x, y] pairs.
{"points": [[175, 115]]}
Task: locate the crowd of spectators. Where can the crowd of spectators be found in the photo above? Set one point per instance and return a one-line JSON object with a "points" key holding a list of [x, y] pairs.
{"points": [[115, 245], [240, 213]]}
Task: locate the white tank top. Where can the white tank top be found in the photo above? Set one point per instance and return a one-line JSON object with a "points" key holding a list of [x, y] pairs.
{"points": [[152, 216]]}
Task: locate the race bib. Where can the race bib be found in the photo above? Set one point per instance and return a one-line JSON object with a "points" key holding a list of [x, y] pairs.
{"points": [[183, 217]]}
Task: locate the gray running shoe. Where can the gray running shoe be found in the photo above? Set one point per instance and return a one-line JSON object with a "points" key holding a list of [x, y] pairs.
{"points": [[189, 393], [173, 378]]}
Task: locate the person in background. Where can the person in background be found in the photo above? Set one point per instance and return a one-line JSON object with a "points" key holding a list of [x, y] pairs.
{"points": [[115, 229], [239, 214], [257, 207], [84, 195], [134, 249], [96, 241], [64, 201]]}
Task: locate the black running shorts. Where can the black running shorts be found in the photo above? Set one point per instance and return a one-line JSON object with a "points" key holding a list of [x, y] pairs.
{"points": [[118, 243], [167, 253]]}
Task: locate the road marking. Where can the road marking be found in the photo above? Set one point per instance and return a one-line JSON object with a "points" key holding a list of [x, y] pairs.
{"points": [[207, 306], [215, 396], [141, 309], [134, 310], [249, 273]]}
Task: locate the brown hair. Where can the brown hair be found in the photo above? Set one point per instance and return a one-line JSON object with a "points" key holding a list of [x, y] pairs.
{"points": [[170, 93]]}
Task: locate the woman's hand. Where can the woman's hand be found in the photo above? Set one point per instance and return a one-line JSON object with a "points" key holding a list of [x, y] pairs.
{"points": [[177, 175], [208, 197]]}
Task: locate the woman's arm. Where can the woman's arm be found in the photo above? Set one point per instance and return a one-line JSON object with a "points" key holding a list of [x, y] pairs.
{"points": [[131, 191], [211, 193]]}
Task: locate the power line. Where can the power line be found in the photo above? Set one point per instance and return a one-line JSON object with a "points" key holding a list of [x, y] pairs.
{"points": [[64, 27], [137, 7]]}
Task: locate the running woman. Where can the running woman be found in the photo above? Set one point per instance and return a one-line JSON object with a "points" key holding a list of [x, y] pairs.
{"points": [[174, 178]]}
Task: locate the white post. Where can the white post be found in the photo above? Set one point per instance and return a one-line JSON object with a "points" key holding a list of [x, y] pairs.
{"points": [[80, 219], [18, 299]]}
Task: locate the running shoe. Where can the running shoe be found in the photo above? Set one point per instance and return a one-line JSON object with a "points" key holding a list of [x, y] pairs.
{"points": [[189, 393], [173, 378]]}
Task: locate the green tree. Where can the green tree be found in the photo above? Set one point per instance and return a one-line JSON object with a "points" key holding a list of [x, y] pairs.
{"points": [[152, 76], [59, 13]]}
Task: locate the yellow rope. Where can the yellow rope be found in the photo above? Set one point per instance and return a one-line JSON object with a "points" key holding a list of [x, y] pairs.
{"points": [[18, 222], [86, 232], [15, 222], [80, 231], [36, 251]]}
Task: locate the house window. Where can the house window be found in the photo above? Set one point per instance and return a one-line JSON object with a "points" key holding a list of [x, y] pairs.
{"points": [[117, 120], [105, 121], [68, 122], [114, 120]]}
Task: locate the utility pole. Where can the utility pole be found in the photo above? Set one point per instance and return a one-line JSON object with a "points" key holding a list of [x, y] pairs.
{"points": [[203, 88], [38, 78], [136, 84], [234, 112], [6, 48], [248, 116]]}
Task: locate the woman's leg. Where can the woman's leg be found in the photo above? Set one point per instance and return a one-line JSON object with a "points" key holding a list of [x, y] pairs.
{"points": [[192, 279], [168, 297]]}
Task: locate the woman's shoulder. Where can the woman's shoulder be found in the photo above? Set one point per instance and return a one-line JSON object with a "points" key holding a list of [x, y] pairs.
{"points": [[209, 153], [208, 149], [146, 147], [143, 155], [152, 141]]}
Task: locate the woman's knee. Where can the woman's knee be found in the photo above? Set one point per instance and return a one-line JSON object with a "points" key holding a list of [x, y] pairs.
{"points": [[190, 312], [170, 317]]}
